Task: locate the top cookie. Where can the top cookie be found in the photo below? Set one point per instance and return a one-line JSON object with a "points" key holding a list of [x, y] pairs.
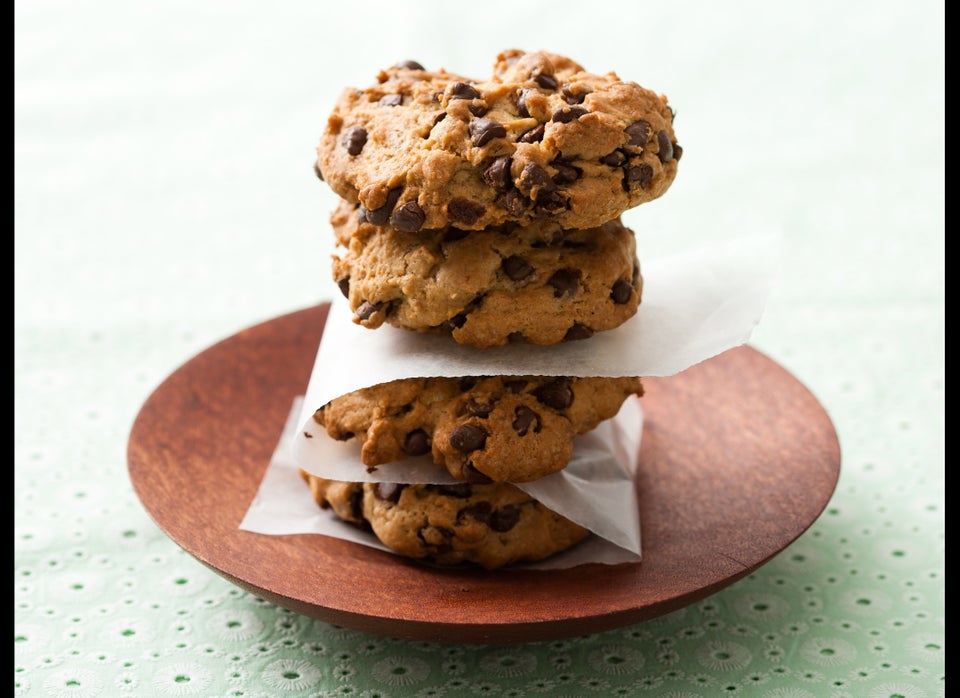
{"points": [[541, 140]]}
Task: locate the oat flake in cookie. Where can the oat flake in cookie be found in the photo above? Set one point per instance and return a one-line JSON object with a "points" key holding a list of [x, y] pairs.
{"points": [[541, 139], [488, 525], [482, 429], [538, 284]]}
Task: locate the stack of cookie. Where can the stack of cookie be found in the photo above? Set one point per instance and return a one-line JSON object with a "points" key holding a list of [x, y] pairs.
{"points": [[490, 212]]}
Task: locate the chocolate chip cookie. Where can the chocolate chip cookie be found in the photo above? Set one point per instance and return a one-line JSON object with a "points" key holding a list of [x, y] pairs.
{"points": [[538, 284], [482, 429], [488, 525], [541, 139]]}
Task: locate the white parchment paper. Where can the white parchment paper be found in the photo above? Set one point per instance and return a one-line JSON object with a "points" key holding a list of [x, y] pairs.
{"points": [[595, 490], [694, 306]]}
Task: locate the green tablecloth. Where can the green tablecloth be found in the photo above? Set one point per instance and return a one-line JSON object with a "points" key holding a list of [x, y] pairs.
{"points": [[164, 199]]}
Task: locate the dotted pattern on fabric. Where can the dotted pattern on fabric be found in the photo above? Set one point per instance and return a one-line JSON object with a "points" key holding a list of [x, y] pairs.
{"points": [[165, 200]]}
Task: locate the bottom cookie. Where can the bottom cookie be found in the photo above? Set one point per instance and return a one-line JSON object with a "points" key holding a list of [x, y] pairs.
{"points": [[489, 525]]}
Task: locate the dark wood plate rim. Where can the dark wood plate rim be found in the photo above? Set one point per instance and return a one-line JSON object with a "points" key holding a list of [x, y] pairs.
{"points": [[737, 460]]}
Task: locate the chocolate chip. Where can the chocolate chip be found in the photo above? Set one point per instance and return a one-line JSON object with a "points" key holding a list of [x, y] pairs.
{"points": [[416, 443], [461, 90], [468, 382], [577, 331], [547, 82], [317, 171], [557, 394], [356, 503], [534, 135], [344, 286], [467, 437], [479, 511], [524, 420], [565, 282], [459, 490], [614, 159], [556, 238], [354, 139], [408, 217], [564, 115], [455, 322], [513, 202], [394, 100], [482, 131], [437, 538], [478, 109], [388, 491], [638, 132], [665, 152], [515, 385], [474, 476], [640, 175], [571, 244], [497, 173], [566, 174], [535, 176], [550, 201], [522, 102], [571, 97], [395, 411], [621, 292], [516, 267], [343, 435], [464, 211], [516, 338], [439, 117], [476, 408], [454, 234], [410, 65], [677, 152], [502, 520], [366, 309], [379, 216]]}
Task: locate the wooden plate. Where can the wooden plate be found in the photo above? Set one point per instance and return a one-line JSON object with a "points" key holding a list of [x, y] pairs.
{"points": [[737, 460]]}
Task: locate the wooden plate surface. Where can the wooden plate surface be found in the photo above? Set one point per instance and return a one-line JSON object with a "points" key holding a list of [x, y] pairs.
{"points": [[737, 459]]}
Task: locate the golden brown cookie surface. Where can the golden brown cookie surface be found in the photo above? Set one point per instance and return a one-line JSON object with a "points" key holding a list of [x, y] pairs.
{"points": [[542, 139], [538, 284], [488, 525], [482, 429]]}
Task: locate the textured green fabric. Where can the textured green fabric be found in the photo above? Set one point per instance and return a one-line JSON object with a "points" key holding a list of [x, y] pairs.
{"points": [[165, 200]]}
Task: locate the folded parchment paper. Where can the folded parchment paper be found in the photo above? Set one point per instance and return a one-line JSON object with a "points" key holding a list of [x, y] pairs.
{"points": [[694, 306], [596, 490]]}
